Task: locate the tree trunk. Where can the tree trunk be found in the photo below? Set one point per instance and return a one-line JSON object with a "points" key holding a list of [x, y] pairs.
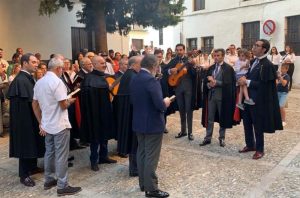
{"points": [[100, 33]]}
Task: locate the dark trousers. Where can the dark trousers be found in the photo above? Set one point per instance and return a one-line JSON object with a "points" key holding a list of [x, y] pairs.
{"points": [[98, 151], [148, 153], [26, 165], [184, 101], [133, 157], [254, 137], [290, 72]]}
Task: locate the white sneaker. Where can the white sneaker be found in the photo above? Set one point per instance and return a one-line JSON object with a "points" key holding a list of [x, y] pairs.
{"points": [[284, 124]]}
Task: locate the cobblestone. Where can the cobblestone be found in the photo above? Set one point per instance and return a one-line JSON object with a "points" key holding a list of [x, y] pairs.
{"points": [[185, 169]]}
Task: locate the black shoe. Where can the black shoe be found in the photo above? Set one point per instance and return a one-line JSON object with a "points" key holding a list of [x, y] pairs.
{"points": [[70, 164], [166, 131], [180, 135], [157, 193], [205, 142], [191, 137], [71, 158], [142, 188], [133, 174], [68, 191], [123, 155], [94, 167], [49, 185], [222, 142], [107, 161], [27, 181]]}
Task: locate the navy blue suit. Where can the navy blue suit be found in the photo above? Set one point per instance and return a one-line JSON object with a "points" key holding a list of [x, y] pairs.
{"points": [[148, 105], [149, 124], [264, 116]]}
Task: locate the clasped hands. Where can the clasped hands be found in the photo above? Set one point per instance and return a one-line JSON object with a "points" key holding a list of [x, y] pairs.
{"points": [[242, 81], [211, 81]]}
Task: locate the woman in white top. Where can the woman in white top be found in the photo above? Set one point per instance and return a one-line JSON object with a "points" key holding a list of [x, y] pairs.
{"points": [[275, 57], [289, 58]]}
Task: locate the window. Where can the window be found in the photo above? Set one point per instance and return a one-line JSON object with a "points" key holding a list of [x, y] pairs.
{"points": [[292, 35], [199, 5], [207, 44], [250, 35], [191, 44], [138, 44], [161, 36]]}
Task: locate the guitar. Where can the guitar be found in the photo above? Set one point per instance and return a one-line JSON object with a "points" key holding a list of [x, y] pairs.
{"points": [[113, 85], [174, 79]]}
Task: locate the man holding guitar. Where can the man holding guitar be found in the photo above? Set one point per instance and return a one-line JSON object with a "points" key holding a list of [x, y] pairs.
{"points": [[184, 89]]}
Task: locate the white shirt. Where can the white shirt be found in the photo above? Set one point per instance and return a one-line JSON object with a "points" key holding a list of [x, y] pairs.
{"points": [[109, 69], [289, 57], [48, 91], [4, 62], [231, 59], [275, 59]]}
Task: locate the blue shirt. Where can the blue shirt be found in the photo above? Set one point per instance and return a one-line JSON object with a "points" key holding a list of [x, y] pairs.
{"points": [[280, 87]]}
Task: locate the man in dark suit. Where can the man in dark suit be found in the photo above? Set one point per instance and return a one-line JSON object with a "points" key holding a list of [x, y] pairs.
{"points": [[148, 123], [264, 116], [219, 94], [185, 92]]}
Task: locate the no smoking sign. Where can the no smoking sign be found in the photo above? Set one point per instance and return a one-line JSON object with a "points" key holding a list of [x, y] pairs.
{"points": [[269, 27]]}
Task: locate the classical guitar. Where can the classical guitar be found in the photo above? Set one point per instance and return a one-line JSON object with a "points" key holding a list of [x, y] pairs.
{"points": [[113, 85], [174, 79]]}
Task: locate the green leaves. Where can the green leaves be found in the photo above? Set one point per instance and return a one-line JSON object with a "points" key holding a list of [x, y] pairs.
{"points": [[49, 7], [120, 15]]}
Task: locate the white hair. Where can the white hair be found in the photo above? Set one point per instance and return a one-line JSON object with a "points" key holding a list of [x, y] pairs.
{"points": [[55, 62]]}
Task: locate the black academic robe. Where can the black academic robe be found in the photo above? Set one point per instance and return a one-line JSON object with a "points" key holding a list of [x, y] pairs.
{"points": [[228, 97], [123, 114], [25, 141], [267, 105], [96, 109]]}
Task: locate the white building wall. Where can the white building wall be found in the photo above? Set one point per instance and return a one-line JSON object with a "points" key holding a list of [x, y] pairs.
{"points": [[21, 26], [223, 20]]}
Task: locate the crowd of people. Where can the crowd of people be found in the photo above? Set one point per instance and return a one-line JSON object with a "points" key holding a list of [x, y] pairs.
{"points": [[62, 105]]}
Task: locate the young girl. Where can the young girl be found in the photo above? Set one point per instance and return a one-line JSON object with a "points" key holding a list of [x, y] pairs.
{"points": [[241, 68], [283, 89]]}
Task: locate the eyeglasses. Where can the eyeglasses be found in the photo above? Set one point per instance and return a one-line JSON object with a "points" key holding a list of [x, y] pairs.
{"points": [[256, 45]]}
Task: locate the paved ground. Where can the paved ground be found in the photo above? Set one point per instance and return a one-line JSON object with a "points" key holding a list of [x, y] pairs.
{"points": [[185, 169]]}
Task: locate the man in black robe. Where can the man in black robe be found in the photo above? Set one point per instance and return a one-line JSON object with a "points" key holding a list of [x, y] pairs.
{"points": [[219, 96], [96, 113], [127, 141], [264, 116], [25, 141]]}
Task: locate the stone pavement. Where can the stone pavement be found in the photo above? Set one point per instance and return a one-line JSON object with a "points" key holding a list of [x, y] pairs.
{"points": [[185, 169]]}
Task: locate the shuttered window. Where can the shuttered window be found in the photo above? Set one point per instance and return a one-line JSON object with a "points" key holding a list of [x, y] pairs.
{"points": [[250, 34]]}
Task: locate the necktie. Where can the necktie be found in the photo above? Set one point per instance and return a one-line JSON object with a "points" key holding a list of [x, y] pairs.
{"points": [[216, 71], [255, 63]]}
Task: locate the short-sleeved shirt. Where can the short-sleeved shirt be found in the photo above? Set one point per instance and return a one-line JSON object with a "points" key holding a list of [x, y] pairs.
{"points": [[48, 91], [285, 88]]}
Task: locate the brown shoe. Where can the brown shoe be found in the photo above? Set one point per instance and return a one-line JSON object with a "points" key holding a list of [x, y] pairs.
{"points": [[246, 149], [257, 155]]}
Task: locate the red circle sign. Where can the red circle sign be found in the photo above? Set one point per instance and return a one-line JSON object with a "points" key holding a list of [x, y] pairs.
{"points": [[269, 27]]}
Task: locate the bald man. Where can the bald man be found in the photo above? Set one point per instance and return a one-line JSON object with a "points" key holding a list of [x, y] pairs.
{"points": [[96, 113]]}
